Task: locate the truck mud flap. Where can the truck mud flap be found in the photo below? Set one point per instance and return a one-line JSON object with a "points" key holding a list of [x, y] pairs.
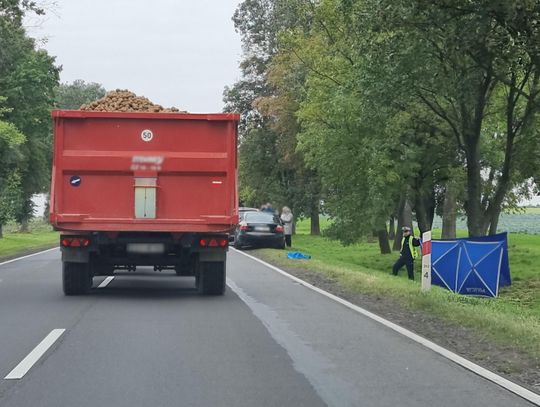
{"points": [[211, 279], [211, 255], [75, 256]]}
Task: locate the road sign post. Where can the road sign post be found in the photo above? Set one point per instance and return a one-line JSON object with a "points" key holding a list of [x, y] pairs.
{"points": [[426, 261]]}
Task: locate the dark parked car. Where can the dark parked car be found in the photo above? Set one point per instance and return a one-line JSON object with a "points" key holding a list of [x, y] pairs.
{"points": [[259, 229], [243, 210]]}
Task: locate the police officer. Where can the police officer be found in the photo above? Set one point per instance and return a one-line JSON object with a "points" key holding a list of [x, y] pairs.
{"points": [[408, 253]]}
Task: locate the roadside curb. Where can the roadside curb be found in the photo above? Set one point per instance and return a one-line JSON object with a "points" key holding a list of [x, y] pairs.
{"points": [[473, 367], [27, 253]]}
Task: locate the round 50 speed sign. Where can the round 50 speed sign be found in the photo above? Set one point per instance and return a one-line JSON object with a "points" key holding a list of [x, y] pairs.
{"points": [[147, 135]]}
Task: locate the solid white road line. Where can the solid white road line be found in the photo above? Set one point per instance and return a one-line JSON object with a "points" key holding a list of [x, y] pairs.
{"points": [[467, 364], [106, 282], [30, 255], [26, 364]]}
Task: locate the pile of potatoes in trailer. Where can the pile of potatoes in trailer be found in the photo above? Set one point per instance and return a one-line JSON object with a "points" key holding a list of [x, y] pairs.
{"points": [[125, 101]]}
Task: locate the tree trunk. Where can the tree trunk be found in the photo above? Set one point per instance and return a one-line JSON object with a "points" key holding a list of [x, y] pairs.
{"points": [[473, 205], [398, 235], [392, 228], [1, 231], [421, 215], [494, 209], [494, 222], [404, 219], [407, 214], [471, 123], [47, 207], [315, 222], [431, 211], [384, 244], [449, 213], [24, 226], [425, 208]]}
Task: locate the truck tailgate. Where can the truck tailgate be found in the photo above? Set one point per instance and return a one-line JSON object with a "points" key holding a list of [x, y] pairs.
{"points": [[144, 171]]}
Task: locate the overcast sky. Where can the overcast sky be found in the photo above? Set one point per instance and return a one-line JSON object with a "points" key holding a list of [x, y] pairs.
{"points": [[175, 52], [178, 53]]}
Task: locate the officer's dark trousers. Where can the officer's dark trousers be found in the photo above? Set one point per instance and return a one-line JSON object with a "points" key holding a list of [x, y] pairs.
{"points": [[409, 263], [288, 240]]}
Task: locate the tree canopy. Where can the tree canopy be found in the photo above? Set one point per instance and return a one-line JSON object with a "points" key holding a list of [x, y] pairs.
{"points": [[389, 102], [72, 96], [28, 77]]}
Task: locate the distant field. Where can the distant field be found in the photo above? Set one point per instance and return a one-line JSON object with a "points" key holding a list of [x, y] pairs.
{"points": [[528, 222]]}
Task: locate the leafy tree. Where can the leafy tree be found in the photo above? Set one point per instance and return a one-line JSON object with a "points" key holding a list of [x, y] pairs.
{"points": [[389, 102], [28, 78], [10, 198], [15, 10], [73, 95], [340, 135], [10, 141], [270, 167], [467, 61], [446, 68]]}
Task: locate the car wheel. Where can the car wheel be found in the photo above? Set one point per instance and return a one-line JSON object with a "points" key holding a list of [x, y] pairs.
{"points": [[237, 244]]}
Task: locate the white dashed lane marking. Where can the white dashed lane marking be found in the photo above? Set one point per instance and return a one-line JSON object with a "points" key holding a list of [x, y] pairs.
{"points": [[22, 368], [106, 282]]}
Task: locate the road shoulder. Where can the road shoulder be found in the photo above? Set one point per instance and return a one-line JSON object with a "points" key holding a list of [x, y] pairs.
{"points": [[28, 251], [506, 361]]}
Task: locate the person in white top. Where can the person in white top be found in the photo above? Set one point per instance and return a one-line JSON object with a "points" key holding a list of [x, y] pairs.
{"points": [[287, 219]]}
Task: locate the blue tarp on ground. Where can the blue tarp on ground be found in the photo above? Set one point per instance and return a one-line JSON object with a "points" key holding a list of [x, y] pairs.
{"points": [[471, 266], [298, 256]]}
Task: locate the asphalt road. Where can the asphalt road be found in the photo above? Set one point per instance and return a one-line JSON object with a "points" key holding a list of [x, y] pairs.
{"points": [[148, 339]]}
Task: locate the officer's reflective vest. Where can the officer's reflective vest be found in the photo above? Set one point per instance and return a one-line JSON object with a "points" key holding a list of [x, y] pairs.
{"points": [[413, 250]]}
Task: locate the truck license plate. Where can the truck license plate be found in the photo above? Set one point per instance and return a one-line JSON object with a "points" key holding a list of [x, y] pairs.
{"points": [[146, 248]]}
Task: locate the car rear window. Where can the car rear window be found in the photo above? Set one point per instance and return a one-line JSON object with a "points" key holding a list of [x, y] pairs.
{"points": [[260, 217]]}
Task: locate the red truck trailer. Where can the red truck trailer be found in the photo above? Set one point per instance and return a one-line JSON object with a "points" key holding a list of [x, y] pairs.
{"points": [[144, 189]]}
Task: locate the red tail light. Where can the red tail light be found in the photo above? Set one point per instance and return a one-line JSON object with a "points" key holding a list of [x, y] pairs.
{"points": [[214, 242], [75, 242], [279, 229], [244, 227]]}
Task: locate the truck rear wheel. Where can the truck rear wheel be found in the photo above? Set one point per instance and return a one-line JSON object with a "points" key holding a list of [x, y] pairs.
{"points": [[211, 279], [76, 278]]}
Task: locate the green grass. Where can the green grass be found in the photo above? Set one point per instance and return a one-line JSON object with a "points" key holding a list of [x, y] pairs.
{"points": [[303, 226], [532, 211], [512, 319], [41, 236]]}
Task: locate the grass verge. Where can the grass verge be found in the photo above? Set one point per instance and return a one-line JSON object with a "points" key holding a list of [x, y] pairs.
{"points": [[14, 243], [512, 320]]}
